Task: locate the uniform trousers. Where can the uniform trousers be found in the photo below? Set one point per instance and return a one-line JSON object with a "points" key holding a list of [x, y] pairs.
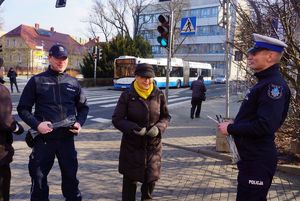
{"points": [[255, 179], [41, 161]]}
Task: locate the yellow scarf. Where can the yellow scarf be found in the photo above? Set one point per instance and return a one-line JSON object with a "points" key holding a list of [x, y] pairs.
{"points": [[144, 93]]}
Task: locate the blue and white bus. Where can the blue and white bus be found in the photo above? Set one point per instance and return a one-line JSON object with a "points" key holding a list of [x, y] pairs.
{"points": [[182, 72]]}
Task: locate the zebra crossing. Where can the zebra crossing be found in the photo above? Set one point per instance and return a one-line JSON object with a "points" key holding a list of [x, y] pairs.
{"points": [[101, 99]]}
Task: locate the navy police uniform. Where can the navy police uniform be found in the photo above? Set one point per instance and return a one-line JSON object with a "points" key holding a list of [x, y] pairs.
{"points": [[55, 97], [262, 112]]}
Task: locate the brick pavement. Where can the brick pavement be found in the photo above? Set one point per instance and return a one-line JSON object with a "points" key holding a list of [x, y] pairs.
{"points": [[186, 175]]}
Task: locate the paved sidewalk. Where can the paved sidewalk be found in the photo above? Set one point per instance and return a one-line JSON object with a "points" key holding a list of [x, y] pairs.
{"points": [[186, 175]]}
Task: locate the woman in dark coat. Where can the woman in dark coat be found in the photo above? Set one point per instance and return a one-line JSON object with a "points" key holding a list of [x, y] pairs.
{"points": [[142, 116], [8, 125]]}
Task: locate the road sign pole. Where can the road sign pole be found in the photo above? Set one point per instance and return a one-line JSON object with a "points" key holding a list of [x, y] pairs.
{"points": [[169, 55]]}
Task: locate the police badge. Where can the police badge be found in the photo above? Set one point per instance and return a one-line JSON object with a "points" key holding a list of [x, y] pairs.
{"points": [[275, 91]]}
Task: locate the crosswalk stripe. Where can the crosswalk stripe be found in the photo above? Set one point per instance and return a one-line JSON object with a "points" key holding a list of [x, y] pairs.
{"points": [[101, 120], [102, 98]]}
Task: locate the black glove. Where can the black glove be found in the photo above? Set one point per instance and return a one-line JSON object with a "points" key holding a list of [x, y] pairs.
{"points": [[17, 128], [153, 131], [140, 131]]}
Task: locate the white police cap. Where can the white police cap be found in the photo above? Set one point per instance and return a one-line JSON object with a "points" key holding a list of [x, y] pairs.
{"points": [[265, 42]]}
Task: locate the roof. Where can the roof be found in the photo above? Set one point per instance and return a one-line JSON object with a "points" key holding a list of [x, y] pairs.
{"points": [[41, 37]]}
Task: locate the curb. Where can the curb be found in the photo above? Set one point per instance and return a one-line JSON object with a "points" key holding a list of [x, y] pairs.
{"points": [[291, 169]]}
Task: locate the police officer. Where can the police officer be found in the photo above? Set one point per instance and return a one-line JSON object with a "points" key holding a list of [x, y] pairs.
{"points": [[8, 125], [262, 112], [198, 95], [56, 96]]}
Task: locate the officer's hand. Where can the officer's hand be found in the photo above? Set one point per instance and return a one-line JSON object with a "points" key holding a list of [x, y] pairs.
{"points": [[223, 128], [45, 127], [140, 131], [153, 132], [18, 128], [75, 128]]}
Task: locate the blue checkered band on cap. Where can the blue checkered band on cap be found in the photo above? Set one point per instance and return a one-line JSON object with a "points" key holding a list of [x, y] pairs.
{"points": [[269, 46]]}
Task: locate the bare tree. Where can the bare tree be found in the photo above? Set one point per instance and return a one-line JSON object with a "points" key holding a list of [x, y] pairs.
{"points": [[116, 17], [280, 19]]}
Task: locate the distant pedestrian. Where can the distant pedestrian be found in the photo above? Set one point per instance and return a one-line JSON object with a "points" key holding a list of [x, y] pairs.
{"points": [[262, 112], [8, 125], [142, 116], [198, 95], [12, 74]]}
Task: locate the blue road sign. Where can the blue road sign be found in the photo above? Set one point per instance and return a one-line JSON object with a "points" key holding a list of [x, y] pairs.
{"points": [[188, 26]]}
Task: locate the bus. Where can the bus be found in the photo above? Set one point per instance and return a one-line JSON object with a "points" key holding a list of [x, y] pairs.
{"points": [[182, 73]]}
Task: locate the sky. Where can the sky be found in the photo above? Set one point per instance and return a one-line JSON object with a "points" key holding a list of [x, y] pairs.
{"points": [[68, 20]]}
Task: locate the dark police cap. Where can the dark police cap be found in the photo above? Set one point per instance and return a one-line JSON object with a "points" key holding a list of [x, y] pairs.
{"points": [[266, 43], [58, 51], [144, 70]]}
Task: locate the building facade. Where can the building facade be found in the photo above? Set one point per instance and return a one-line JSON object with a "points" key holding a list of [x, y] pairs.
{"points": [[26, 49], [207, 44]]}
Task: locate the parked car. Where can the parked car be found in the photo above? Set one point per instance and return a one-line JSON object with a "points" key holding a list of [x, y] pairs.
{"points": [[221, 79]]}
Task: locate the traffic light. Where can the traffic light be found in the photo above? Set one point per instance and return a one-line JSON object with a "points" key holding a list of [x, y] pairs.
{"points": [[99, 53], [60, 3], [164, 30]]}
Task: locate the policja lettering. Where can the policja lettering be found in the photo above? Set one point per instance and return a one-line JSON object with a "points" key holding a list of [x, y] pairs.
{"points": [[254, 182]]}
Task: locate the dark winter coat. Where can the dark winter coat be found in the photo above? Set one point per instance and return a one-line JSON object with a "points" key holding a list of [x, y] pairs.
{"points": [[139, 154], [198, 89], [12, 75], [6, 126]]}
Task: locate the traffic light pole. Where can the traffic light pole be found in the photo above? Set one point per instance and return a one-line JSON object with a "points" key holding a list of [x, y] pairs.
{"points": [[169, 56], [95, 65]]}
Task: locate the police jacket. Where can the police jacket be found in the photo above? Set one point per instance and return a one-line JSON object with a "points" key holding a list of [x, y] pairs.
{"points": [[55, 97], [262, 112]]}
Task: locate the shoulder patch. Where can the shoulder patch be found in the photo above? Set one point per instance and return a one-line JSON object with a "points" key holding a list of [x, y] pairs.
{"points": [[275, 91]]}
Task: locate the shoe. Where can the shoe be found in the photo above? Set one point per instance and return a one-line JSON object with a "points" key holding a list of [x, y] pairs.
{"points": [[197, 116], [192, 117]]}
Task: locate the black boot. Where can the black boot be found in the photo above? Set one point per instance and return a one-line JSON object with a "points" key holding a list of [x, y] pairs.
{"points": [[192, 113]]}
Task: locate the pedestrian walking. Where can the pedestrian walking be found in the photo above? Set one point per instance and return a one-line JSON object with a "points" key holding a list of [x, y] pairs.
{"points": [[8, 125], [142, 116], [55, 95], [262, 112], [198, 95], [12, 74]]}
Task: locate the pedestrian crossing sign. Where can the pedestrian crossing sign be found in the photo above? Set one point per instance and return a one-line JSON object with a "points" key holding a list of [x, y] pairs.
{"points": [[188, 26]]}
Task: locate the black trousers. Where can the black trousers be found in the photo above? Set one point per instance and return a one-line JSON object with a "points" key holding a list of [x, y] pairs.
{"points": [[196, 105], [11, 86], [5, 176], [41, 161], [255, 179], [129, 190]]}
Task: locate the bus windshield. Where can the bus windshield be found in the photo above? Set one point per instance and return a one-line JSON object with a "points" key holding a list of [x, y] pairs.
{"points": [[124, 68]]}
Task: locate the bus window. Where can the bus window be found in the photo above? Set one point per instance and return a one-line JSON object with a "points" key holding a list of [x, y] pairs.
{"points": [[193, 72], [160, 71], [176, 72], [206, 72]]}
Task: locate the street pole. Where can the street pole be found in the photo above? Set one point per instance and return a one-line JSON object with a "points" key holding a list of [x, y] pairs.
{"points": [[95, 65], [169, 55], [227, 60]]}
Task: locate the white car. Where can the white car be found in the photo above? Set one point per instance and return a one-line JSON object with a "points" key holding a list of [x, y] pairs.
{"points": [[220, 79]]}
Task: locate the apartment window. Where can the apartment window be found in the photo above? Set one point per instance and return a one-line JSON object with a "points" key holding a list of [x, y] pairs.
{"points": [[156, 49], [14, 42]]}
